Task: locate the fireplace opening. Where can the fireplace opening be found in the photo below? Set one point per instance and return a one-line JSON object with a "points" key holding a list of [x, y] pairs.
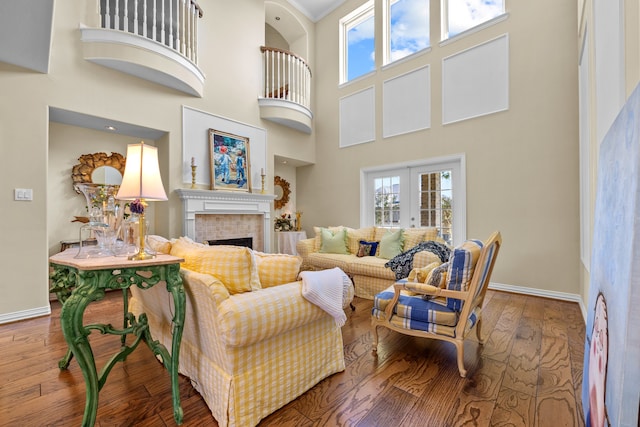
{"points": [[239, 241]]}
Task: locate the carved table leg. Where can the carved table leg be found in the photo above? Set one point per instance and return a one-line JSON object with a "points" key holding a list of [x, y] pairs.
{"points": [[76, 334], [175, 287]]}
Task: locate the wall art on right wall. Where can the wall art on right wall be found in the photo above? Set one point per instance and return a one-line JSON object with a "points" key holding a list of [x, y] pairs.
{"points": [[611, 376]]}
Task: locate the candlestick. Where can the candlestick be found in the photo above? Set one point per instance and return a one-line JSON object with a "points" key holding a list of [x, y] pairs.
{"points": [[262, 175], [193, 174]]}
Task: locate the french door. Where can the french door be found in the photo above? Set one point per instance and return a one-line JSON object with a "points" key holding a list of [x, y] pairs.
{"points": [[430, 193]]}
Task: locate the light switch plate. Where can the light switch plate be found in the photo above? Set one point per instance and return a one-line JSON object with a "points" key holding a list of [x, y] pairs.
{"points": [[23, 194]]}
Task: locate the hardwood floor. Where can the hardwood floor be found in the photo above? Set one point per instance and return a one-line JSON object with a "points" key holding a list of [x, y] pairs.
{"points": [[529, 373]]}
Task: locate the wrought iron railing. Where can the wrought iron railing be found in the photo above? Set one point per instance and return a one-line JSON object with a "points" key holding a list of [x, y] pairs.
{"points": [[173, 23], [286, 76]]}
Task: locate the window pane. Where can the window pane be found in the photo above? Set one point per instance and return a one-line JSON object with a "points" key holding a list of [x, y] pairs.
{"points": [[465, 14], [436, 198], [387, 201], [360, 48], [409, 27]]}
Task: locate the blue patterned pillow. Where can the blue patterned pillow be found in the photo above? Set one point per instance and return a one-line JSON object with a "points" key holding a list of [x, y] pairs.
{"points": [[367, 248]]}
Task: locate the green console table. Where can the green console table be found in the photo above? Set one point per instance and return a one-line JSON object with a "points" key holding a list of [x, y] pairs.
{"points": [[78, 282]]}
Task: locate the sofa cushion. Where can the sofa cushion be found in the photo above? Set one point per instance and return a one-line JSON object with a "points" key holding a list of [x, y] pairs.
{"points": [[355, 235], [391, 244], [461, 266], [333, 242], [324, 261], [370, 266], [367, 248], [235, 266], [277, 269]]}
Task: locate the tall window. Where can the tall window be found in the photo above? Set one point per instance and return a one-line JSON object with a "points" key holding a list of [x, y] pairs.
{"points": [[407, 28], [357, 41], [436, 201], [387, 201], [462, 15], [429, 193]]}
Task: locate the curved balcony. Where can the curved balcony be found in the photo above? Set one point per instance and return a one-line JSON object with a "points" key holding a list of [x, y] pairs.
{"points": [[286, 93], [156, 41]]}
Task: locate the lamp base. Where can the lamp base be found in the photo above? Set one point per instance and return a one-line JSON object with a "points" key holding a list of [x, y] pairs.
{"points": [[142, 255]]}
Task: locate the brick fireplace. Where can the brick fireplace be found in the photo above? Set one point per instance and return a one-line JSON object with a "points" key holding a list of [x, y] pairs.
{"points": [[213, 215]]}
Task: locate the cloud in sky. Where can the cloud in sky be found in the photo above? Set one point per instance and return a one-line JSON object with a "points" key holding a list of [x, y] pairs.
{"points": [[465, 14], [409, 27]]}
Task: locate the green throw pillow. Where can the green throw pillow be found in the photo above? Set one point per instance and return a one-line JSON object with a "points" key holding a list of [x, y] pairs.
{"points": [[333, 243], [391, 244]]}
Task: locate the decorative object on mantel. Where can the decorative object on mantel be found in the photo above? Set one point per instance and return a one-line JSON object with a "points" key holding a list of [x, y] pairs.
{"points": [[282, 192], [229, 157], [141, 182], [193, 172], [283, 223], [262, 175]]}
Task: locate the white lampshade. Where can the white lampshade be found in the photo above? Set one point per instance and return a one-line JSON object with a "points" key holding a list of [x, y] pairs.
{"points": [[142, 178]]}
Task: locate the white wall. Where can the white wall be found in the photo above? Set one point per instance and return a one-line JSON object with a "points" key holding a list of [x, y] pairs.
{"points": [[230, 36], [522, 164]]}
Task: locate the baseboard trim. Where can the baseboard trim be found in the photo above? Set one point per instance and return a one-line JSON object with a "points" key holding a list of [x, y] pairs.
{"points": [[563, 296], [25, 314]]}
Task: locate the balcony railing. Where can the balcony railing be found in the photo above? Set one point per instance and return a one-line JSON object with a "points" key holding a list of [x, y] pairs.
{"points": [[174, 23], [285, 76]]}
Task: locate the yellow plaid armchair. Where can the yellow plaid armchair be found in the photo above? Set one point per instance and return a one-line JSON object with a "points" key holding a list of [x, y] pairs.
{"points": [[251, 342]]}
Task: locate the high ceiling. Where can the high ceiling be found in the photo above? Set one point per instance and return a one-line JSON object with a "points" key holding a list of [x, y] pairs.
{"points": [[316, 9]]}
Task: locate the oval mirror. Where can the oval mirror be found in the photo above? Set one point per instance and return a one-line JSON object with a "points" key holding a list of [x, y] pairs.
{"points": [[107, 175]]}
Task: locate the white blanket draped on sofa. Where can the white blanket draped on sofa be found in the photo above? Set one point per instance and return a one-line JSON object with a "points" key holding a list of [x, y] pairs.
{"points": [[328, 289]]}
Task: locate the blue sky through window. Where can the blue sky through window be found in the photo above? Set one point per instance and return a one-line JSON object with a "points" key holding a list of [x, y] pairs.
{"points": [[465, 14], [409, 27], [361, 45]]}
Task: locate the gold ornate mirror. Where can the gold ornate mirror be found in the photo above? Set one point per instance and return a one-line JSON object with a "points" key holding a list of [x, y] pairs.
{"points": [[282, 192], [99, 168]]}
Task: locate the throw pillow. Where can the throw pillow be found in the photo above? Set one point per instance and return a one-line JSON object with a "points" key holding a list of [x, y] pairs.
{"points": [[277, 269], [355, 235], [420, 275], [391, 244], [318, 238], [413, 236], [333, 242], [367, 248], [438, 276], [235, 266]]}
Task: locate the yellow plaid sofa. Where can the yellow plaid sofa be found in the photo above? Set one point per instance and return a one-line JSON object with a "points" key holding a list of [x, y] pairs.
{"points": [[369, 274], [251, 342]]}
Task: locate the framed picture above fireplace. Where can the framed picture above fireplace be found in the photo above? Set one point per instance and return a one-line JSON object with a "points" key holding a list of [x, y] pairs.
{"points": [[229, 159]]}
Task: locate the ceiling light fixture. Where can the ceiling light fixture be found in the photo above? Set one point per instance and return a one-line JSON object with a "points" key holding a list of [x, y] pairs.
{"points": [[110, 128]]}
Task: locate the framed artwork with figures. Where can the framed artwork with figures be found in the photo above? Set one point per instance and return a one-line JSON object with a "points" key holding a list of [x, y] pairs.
{"points": [[229, 160]]}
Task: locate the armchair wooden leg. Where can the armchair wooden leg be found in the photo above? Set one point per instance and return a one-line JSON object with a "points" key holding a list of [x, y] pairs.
{"points": [[478, 334], [460, 351], [375, 339]]}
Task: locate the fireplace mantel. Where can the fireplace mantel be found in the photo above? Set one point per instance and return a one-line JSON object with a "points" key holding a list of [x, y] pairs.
{"points": [[203, 202]]}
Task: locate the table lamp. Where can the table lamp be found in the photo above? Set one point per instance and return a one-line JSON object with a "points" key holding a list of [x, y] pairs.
{"points": [[142, 181]]}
